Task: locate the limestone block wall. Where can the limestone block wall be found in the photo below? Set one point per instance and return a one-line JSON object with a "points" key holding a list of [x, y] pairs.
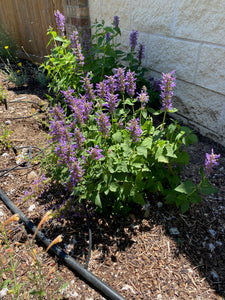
{"points": [[183, 35]]}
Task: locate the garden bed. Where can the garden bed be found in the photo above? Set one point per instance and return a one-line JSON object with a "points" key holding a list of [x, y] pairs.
{"points": [[156, 253]]}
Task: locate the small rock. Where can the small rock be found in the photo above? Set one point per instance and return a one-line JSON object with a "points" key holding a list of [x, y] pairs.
{"points": [[212, 232], [174, 231], [159, 204], [32, 176], [128, 287], [211, 247], [8, 122], [31, 208], [5, 154], [214, 275]]}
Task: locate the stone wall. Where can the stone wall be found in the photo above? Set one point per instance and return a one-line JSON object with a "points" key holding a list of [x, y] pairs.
{"points": [[77, 15], [182, 35]]}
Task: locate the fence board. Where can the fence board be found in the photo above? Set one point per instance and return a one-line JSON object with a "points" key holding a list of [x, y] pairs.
{"points": [[27, 22]]}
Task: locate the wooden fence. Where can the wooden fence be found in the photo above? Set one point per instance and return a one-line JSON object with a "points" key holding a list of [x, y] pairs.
{"points": [[27, 22]]}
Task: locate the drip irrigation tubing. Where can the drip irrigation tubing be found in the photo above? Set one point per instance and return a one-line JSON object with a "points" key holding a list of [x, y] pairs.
{"points": [[18, 166], [70, 261], [25, 101]]}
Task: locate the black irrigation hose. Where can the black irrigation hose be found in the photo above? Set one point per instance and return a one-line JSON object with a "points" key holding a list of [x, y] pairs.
{"points": [[26, 101], [71, 262], [17, 167]]}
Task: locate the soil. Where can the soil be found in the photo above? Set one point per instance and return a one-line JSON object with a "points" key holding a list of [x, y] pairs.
{"points": [[154, 253]]}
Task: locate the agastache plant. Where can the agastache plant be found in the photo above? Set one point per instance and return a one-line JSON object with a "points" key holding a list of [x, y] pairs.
{"points": [[60, 21], [111, 155], [211, 161]]}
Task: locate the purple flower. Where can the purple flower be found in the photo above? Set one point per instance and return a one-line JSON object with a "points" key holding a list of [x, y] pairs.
{"points": [[211, 161], [143, 97], [140, 53], [95, 153], [133, 39], [86, 42], [120, 123], [107, 37], [88, 86], [80, 106], [103, 123], [134, 129], [120, 80], [79, 138], [60, 21], [77, 48], [116, 21], [102, 89], [111, 102], [130, 83], [167, 85], [76, 172], [66, 152], [110, 82]]}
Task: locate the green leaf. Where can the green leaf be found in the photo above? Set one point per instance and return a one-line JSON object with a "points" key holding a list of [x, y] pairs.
{"points": [[117, 136], [97, 200], [147, 143], [195, 198], [206, 188], [170, 151], [186, 187], [128, 101], [114, 187], [184, 206], [144, 114], [141, 150], [138, 198], [59, 39]]}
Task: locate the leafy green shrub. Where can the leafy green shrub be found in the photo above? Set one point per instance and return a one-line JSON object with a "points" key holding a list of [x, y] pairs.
{"points": [[110, 153], [105, 147], [71, 58]]}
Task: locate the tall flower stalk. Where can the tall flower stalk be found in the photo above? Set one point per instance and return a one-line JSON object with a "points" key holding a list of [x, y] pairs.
{"points": [[167, 85]]}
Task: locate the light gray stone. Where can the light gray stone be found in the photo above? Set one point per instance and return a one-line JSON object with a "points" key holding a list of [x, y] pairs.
{"points": [[200, 20], [95, 10], [202, 108], [167, 54], [111, 8], [211, 68], [153, 16]]}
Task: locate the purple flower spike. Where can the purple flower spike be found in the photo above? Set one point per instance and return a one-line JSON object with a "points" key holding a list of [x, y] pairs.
{"points": [[88, 86], [120, 80], [95, 153], [211, 162], [60, 21], [167, 85], [116, 21], [110, 81], [140, 53], [102, 89], [76, 172], [130, 83], [103, 123], [133, 39], [111, 102], [143, 97], [77, 48], [107, 37], [134, 129]]}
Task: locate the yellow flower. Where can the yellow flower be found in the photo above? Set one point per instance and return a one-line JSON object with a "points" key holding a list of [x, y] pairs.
{"points": [[20, 64], [17, 71], [6, 47]]}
